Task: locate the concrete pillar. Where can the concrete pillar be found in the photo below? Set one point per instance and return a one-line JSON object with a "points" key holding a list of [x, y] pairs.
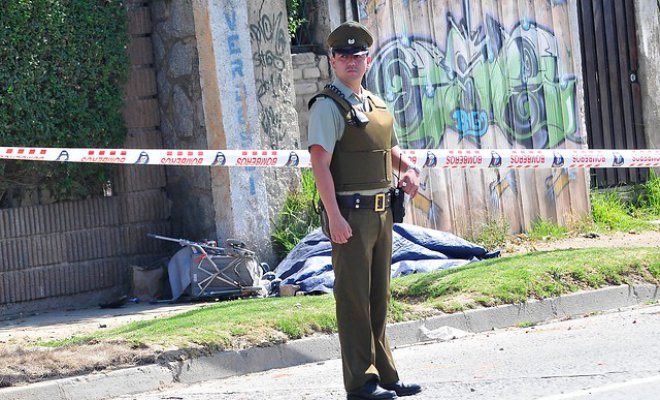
{"points": [[647, 15], [248, 100]]}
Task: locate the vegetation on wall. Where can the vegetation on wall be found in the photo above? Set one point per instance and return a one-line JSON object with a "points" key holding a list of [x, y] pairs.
{"points": [[62, 63], [296, 18]]}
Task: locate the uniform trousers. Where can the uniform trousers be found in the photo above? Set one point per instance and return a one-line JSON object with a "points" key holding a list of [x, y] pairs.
{"points": [[362, 292]]}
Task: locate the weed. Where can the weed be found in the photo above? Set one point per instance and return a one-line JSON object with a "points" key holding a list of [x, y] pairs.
{"points": [[494, 233], [611, 213], [297, 217], [525, 324], [649, 200], [544, 228]]}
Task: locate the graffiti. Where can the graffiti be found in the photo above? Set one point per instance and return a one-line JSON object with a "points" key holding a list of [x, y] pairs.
{"points": [[555, 185], [473, 123], [269, 36], [237, 89], [484, 77], [268, 30], [268, 59], [368, 7], [271, 123], [499, 186], [426, 207], [273, 85]]}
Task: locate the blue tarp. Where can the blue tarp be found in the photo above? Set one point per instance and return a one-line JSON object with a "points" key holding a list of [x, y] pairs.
{"points": [[414, 249]]}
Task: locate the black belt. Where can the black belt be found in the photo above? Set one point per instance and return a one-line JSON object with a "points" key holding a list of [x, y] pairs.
{"points": [[379, 202]]}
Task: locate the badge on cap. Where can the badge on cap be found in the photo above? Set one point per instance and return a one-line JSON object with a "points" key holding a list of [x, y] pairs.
{"points": [[351, 41]]}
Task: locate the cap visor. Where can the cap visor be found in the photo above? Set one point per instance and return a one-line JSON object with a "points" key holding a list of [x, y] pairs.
{"points": [[356, 51]]}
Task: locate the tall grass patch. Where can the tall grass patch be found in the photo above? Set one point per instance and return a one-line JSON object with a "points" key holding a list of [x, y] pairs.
{"points": [[298, 216], [611, 213]]}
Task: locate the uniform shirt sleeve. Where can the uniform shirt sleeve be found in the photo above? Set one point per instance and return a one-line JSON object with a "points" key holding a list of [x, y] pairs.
{"points": [[326, 124]]}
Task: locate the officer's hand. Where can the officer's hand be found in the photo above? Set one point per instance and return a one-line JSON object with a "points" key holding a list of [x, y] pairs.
{"points": [[409, 182], [340, 230]]}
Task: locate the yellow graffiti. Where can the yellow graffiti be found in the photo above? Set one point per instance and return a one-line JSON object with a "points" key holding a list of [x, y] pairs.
{"points": [[556, 185], [498, 187]]}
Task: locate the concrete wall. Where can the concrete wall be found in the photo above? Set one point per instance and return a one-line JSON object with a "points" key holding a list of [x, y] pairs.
{"points": [[225, 82], [648, 41]]}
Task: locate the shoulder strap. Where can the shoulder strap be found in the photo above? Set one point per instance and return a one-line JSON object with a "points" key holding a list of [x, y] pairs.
{"points": [[377, 101], [335, 94]]}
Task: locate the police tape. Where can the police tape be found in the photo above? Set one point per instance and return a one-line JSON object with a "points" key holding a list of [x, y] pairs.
{"points": [[441, 158]]}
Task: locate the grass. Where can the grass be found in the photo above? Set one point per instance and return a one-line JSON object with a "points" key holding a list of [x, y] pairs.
{"points": [[530, 276], [610, 213], [494, 234], [649, 199], [544, 229], [240, 323], [225, 325], [297, 217]]}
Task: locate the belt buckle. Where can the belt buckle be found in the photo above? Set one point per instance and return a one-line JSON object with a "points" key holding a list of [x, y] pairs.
{"points": [[379, 202]]}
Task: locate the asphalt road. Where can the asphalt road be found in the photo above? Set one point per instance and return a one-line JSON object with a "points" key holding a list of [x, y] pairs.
{"points": [[609, 356]]}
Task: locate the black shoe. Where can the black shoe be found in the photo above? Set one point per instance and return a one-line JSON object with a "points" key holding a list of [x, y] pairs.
{"points": [[371, 391], [402, 389]]}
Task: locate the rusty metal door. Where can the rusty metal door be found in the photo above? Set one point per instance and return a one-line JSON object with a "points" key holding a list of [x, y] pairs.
{"points": [[613, 103]]}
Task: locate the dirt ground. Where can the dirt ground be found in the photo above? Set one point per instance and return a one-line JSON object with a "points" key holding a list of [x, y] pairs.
{"points": [[619, 239], [23, 362]]}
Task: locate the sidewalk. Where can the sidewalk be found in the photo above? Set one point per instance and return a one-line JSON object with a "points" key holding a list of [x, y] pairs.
{"points": [[323, 347]]}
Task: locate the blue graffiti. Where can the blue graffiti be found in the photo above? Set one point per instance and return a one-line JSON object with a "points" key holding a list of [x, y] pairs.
{"points": [[470, 123]]}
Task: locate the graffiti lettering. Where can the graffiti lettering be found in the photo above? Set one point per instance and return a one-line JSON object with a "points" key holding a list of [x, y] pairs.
{"points": [[235, 93], [473, 123], [269, 28], [271, 123], [504, 78], [268, 59], [274, 85], [271, 40]]}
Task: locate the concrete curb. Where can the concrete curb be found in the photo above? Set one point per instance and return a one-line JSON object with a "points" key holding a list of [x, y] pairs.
{"points": [[136, 380]]}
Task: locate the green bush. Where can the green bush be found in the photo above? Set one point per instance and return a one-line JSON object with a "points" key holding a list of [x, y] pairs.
{"points": [[295, 14], [62, 62], [297, 218]]}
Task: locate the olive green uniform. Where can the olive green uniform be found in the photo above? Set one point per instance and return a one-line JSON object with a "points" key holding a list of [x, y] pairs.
{"points": [[361, 163]]}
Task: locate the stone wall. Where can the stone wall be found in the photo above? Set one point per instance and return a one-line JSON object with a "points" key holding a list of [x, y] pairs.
{"points": [[182, 116], [311, 72]]}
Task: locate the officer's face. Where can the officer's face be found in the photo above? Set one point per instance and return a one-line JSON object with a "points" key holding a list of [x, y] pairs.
{"points": [[350, 67]]}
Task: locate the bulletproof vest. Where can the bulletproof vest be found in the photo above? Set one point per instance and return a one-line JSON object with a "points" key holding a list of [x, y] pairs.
{"points": [[362, 158]]}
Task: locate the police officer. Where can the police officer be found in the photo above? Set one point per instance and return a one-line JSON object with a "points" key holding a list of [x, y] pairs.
{"points": [[353, 148]]}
